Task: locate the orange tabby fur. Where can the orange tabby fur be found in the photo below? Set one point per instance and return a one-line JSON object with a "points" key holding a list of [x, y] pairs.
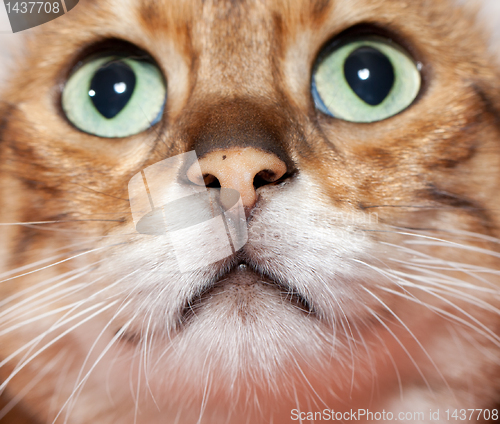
{"points": [[431, 174]]}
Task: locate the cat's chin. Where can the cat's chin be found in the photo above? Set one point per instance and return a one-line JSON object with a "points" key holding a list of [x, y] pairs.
{"points": [[245, 331], [244, 326]]}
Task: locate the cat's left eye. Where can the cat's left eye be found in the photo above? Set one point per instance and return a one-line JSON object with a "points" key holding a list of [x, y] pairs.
{"points": [[366, 79], [115, 96]]}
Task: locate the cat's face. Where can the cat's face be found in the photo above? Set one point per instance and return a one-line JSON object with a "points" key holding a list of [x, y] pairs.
{"points": [[363, 137]]}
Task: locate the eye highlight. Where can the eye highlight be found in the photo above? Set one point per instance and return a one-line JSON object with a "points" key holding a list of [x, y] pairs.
{"points": [[365, 80], [115, 96]]}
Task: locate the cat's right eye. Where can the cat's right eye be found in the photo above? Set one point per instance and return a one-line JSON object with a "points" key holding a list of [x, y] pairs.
{"points": [[115, 96]]}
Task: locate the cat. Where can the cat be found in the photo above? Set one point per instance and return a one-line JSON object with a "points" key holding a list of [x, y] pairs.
{"points": [[349, 151]]}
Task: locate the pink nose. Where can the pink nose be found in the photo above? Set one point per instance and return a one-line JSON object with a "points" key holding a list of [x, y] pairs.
{"points": [[237, 168]]}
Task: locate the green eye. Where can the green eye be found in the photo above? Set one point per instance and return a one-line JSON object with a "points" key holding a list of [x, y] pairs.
{"points": [[365, 80], [115, 96]]}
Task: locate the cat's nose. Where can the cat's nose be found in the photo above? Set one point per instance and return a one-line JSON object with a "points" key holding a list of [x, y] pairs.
{"points": [[242, 169]]}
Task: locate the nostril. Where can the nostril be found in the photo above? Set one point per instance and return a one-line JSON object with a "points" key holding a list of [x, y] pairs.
{"points": [[263, 178], [267, 177], [211, 181]]}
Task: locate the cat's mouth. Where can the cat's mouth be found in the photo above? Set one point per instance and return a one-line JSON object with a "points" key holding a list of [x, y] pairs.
{"points": [[238, 283], [241, 291]]}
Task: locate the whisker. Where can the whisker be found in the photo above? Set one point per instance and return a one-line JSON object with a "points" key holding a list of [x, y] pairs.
{"points": [[6, 224], [386, 307], [42, 261], [122, 306], [61, 262], [396, 338], [53, 341], [148, 342], [55, 298], [453, 232], [61, 321], [439, 265], [58, 388], [455, 266], [78, 234], [311, 387], [80, 382], [38, 318], [40, 336], [73, 275], [28, 387], [465, 313], [403, 282], [433, 278], [32, 344], [350, 341], [446, 289], [393, 362], [207, 386], [434, 241], [494, 339]]}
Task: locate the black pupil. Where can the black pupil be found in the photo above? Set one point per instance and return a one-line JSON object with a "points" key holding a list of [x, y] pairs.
{"points": [[370, 74], [111, 88]]}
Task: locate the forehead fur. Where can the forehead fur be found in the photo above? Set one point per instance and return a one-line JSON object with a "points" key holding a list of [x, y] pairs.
{"points": [[246, 52], [176, 17]]}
